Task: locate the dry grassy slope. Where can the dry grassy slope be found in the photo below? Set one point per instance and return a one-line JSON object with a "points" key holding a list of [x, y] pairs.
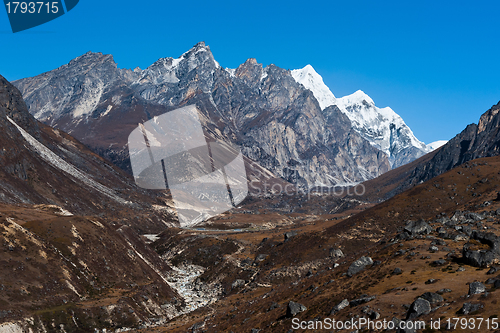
{"points": [[283, 275], [445, 193], [27, 177], [388, 184], [84, 273]]}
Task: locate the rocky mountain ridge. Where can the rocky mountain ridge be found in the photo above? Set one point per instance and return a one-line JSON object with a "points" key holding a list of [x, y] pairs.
{"points": [[275, 120], [475, 141]]}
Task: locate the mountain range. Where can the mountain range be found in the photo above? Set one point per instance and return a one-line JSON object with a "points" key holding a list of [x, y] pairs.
{"points": [[288, 122], [84, 249]]}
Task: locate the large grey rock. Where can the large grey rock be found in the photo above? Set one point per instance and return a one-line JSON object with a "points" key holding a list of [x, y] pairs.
{"points": [[476, 288], [482, 257], [418, 308], [432, 297], [336, 253], [289, 235], [361, 300], [419, 227], [261, 257], [294, 309], [359, 265], [474, 216], [468, 308], [237, 283], [397, 271], [340, 306]]}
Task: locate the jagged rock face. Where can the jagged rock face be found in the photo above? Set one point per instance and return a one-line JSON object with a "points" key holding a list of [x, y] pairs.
{"points": [[13, 106], [276, 121], [475, 141], [86, 80]]}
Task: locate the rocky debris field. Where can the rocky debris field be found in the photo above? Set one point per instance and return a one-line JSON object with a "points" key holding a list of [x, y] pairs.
{"points": [[395, 261]]}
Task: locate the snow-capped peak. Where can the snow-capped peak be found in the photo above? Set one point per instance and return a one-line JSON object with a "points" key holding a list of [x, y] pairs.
{"points": [[356, 98], [311, 80], [382, 127]]}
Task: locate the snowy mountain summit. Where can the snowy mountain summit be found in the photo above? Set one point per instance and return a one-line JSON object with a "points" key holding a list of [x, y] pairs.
{"points": [[308, 77], [382, 127]]}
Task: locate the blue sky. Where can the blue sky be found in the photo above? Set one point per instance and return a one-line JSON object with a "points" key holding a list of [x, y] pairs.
{"points": [[436, 63]]}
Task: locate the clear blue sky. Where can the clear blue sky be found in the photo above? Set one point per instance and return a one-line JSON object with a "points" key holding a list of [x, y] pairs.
{"points": [[436, 63]]}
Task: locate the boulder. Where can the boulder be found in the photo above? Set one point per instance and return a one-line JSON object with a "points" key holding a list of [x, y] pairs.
{"points": [[289, 235], [444, 290], [294, 309], [474, 216], [340, 306], [432, 297], [361, 300], [482, 257], [476, 288], [397, 271], [374, 315], [261, 257], [359, 265], [336, 253], [419, 227], [238, 283], [418, 308], [468, 308], [273, 306], [492, 270], [439, 262]]}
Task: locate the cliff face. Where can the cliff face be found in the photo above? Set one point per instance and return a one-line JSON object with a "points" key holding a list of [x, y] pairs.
{"points": [[475, 141], [276, 121]]}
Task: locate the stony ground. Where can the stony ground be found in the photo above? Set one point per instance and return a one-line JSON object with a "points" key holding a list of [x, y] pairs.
{"points": [[430, 253]]}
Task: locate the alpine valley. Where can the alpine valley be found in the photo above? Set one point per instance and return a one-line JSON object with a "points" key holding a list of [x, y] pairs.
{"points": [[84, 249]]}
